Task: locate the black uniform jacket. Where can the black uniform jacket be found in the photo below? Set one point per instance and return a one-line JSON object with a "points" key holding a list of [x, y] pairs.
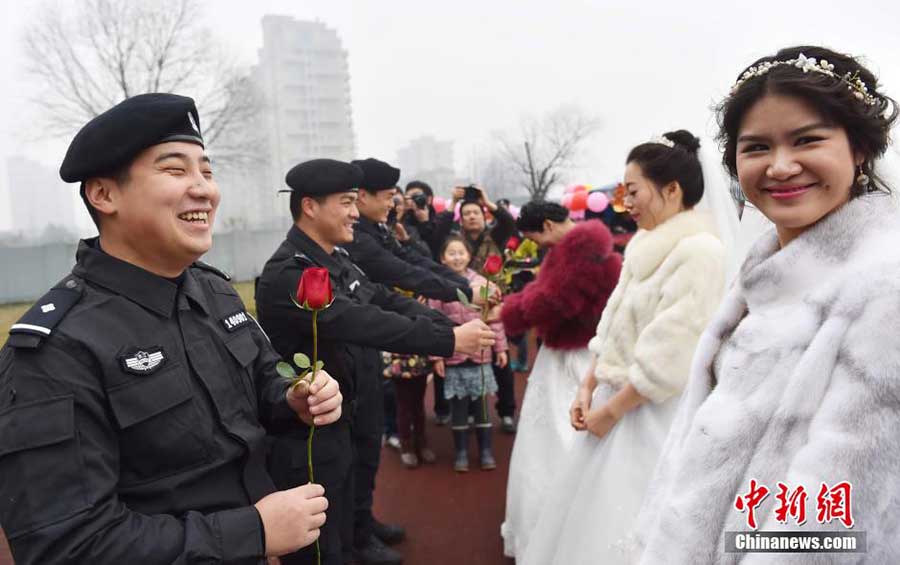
{"points": [[386, 261], [364, 317], [131, 420]]}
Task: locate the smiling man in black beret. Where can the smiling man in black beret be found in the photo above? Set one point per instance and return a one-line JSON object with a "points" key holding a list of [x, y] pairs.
{"points": [[136, 394], [378, 252], [364, 318]]}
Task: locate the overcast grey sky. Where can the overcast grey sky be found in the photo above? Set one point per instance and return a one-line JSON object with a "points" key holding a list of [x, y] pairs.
{"points": [[460, 70]]}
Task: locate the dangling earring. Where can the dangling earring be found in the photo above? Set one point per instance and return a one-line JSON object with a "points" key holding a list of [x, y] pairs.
{"points": [[862, 179]]}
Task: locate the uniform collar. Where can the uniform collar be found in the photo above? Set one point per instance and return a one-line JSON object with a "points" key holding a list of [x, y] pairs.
{"points": [[307, 246], [151, 291]]}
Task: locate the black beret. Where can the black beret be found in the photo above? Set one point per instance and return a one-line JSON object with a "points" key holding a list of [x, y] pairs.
{"points": [[378, 174], [321, 177], [115, 137]]}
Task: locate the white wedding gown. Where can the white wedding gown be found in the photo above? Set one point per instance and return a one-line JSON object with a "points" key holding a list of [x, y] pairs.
{"points": [[543, 441], [594, 500]]}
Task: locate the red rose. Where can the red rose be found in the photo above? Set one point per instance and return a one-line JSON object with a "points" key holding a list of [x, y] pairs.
{"points": [[493, 265], [513, 244], [314, 290]]}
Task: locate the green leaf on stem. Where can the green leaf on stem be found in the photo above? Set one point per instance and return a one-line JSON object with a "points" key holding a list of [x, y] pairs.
{"points": [[285, 370], [319, 365], [463, 299], [301, 361]]}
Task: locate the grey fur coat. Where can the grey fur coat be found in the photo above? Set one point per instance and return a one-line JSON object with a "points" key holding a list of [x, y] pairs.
{"points": [[796, 379]]}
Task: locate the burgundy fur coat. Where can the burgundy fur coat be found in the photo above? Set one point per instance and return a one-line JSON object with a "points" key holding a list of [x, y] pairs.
{"points": [[566, 300]]}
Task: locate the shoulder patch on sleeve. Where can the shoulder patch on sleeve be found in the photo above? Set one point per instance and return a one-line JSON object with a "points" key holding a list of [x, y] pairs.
{"points": [[211, 269], [46, 313], [304, 260]]}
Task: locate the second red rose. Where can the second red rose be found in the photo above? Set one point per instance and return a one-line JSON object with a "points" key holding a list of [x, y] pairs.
{"points": [[314, 289], [492, 265]]}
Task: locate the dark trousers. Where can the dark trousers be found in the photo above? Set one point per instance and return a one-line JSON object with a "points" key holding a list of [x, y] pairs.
{"points": [[441, 405], [521, 343], [506, 391], [332, 462], [461, 408], [366, 430], [411, 411], [390, 408]]}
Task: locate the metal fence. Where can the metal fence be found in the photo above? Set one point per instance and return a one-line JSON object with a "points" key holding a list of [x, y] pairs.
{"points": [[26, 272]]}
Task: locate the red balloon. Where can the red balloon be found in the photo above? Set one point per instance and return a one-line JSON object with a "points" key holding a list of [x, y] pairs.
{"points": [[579, 201], [567, 200], [439, 204]]}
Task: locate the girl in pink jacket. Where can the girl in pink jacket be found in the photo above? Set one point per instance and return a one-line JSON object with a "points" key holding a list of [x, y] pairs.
{"points": [[462, 373]]}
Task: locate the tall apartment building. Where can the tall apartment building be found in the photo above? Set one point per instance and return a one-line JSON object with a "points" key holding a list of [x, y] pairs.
{"points": [[304, 81]]}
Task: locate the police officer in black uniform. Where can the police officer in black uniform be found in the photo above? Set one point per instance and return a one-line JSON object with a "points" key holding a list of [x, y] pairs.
{"points": [[135, 395], [377, 252], [365, 317]]}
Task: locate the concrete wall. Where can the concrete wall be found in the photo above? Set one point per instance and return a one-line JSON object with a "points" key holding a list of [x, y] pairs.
{"points": [[26, 273]]}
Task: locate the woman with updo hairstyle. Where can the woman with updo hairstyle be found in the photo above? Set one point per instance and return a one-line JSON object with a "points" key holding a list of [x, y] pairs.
{"points": [[790, 419], [671, 281]]}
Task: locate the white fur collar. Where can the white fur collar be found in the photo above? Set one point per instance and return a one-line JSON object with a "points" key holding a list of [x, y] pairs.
{"points": [[648, 248], [811, 264]]}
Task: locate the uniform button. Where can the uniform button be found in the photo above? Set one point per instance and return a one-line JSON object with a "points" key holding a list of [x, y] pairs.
{"points": [[71, 283]]}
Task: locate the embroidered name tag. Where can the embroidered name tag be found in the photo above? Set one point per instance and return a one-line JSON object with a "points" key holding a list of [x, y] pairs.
{"points": [[143, 361], [237, 320]]}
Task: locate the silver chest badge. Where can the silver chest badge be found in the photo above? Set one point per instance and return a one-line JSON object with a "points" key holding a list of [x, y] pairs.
{"points": [[143, 361]]}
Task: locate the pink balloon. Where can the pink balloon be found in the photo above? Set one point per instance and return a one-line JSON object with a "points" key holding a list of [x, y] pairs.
{"points": [[439, 204], [597, 201], [456, 211], [577, 214], [567, 200], [514, 211], [570, 189]]}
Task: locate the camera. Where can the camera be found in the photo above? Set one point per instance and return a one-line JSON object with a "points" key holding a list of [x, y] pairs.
{"points": [[392, 215], [473, 193], [420, 200]]}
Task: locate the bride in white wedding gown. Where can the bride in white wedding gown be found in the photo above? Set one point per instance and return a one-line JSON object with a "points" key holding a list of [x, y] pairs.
{"points": [[563, 305], [671, 283]]}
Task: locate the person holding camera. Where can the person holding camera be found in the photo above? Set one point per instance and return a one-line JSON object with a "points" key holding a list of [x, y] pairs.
{"points": [[378, 253], [421, 215], [408, 235], [487, 240]]}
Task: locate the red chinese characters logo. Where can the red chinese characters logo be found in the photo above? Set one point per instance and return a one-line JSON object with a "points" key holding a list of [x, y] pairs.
{"points": [[791, 503], [750, 501], [833, 503]]}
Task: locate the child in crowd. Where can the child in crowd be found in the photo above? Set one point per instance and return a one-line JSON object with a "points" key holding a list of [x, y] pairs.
{"points": [[409, 375], [464, 383]]}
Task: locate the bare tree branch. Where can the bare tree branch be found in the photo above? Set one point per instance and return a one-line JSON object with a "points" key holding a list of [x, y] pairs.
{"points": [[546, 148], [109, 50]]}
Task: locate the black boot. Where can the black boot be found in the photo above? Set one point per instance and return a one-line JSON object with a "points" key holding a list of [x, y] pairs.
{"points": [[461, 443], [484, 449], [374, 552], [388, 533]]}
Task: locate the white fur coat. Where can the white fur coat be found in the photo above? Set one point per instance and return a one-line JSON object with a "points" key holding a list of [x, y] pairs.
{"points": [[670, 285], [796, 379]]}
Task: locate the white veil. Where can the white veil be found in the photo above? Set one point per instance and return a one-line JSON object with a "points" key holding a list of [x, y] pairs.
{"points": [[718, 201]]}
